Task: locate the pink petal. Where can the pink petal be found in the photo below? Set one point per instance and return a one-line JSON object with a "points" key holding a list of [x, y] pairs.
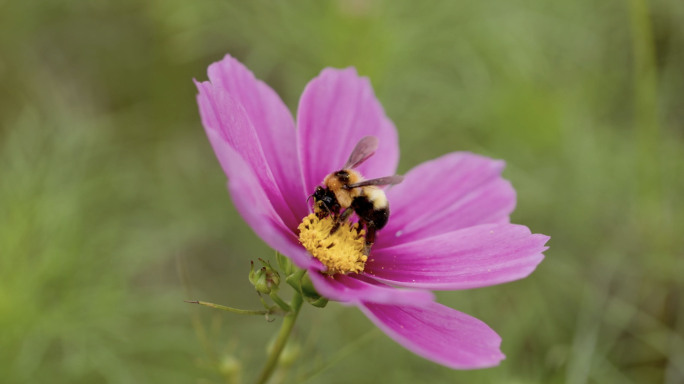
{"points": [[468, 258], [439, 333], [252, 203], [226, 122], [336, 110], [354, 289], [272, 122], [454, 191]]}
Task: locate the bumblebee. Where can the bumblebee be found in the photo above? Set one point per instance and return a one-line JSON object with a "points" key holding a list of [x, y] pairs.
{"points": [[345, 192]]}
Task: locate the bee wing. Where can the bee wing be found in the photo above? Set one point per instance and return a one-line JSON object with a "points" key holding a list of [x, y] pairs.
{"points": [[387, 180], [364, 149]]}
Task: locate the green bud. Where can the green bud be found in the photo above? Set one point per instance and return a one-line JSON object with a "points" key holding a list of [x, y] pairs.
{"points": [[264, 279], [290, 354], [231, 369]]}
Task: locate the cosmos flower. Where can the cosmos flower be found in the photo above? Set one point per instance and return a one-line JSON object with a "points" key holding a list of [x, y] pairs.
{"points": [[449, 226]]}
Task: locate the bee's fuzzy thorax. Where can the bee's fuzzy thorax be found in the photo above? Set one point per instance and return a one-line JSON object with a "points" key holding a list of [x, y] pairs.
{"points": [[336, 183]]}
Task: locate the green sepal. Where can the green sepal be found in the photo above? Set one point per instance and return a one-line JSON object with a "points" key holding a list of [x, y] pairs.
{"points": [[295, 279], [310, 293], [308, 289], [284, 264], [320, 303], [301, 282]]}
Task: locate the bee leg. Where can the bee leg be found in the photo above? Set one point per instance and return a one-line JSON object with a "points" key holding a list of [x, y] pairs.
{"points": [[322, 212], [362, 223], [370, 238], [340, 219]]}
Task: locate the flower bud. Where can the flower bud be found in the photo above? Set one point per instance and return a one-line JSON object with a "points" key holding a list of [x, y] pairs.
{"points": [[231, 369], [264, 279], [291, 352]]}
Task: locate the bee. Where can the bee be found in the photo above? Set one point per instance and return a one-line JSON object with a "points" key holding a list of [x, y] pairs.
{"points": [[345, 192]]}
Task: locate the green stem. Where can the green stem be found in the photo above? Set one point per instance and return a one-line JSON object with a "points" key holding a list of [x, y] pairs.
{"points": [[646, 107], [231, 309], [281, 303], [281, 341]]}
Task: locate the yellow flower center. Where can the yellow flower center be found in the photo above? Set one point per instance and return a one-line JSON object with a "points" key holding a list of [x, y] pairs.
{"points": [[341, 251]]}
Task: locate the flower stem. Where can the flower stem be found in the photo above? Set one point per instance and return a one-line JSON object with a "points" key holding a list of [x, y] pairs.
{"points": [[231, 309], [281, 341], [276, 299]]}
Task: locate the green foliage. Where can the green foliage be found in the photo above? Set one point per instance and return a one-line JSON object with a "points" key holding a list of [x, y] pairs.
{"points": [[108, 187]]}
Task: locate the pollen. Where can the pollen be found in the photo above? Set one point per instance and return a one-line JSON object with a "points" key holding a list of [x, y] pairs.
{"points": [[340, 251]]}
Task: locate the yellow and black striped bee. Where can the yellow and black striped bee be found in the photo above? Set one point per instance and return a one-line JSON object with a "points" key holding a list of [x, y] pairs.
{"points": [[345, 192]]}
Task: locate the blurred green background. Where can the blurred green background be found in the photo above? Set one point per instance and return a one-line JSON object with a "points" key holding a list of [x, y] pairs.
{"points": [[113, 209]]}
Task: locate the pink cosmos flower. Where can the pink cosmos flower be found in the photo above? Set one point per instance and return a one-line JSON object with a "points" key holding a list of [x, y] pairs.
{"points": [[449, 225]]}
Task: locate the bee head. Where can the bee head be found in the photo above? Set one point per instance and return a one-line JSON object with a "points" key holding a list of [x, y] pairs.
{"points": [[325, 202], [318, 194]]}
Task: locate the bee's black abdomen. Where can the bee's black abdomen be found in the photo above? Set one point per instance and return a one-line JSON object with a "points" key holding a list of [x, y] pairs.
{"points": [[380, 217], [373, 217]]}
